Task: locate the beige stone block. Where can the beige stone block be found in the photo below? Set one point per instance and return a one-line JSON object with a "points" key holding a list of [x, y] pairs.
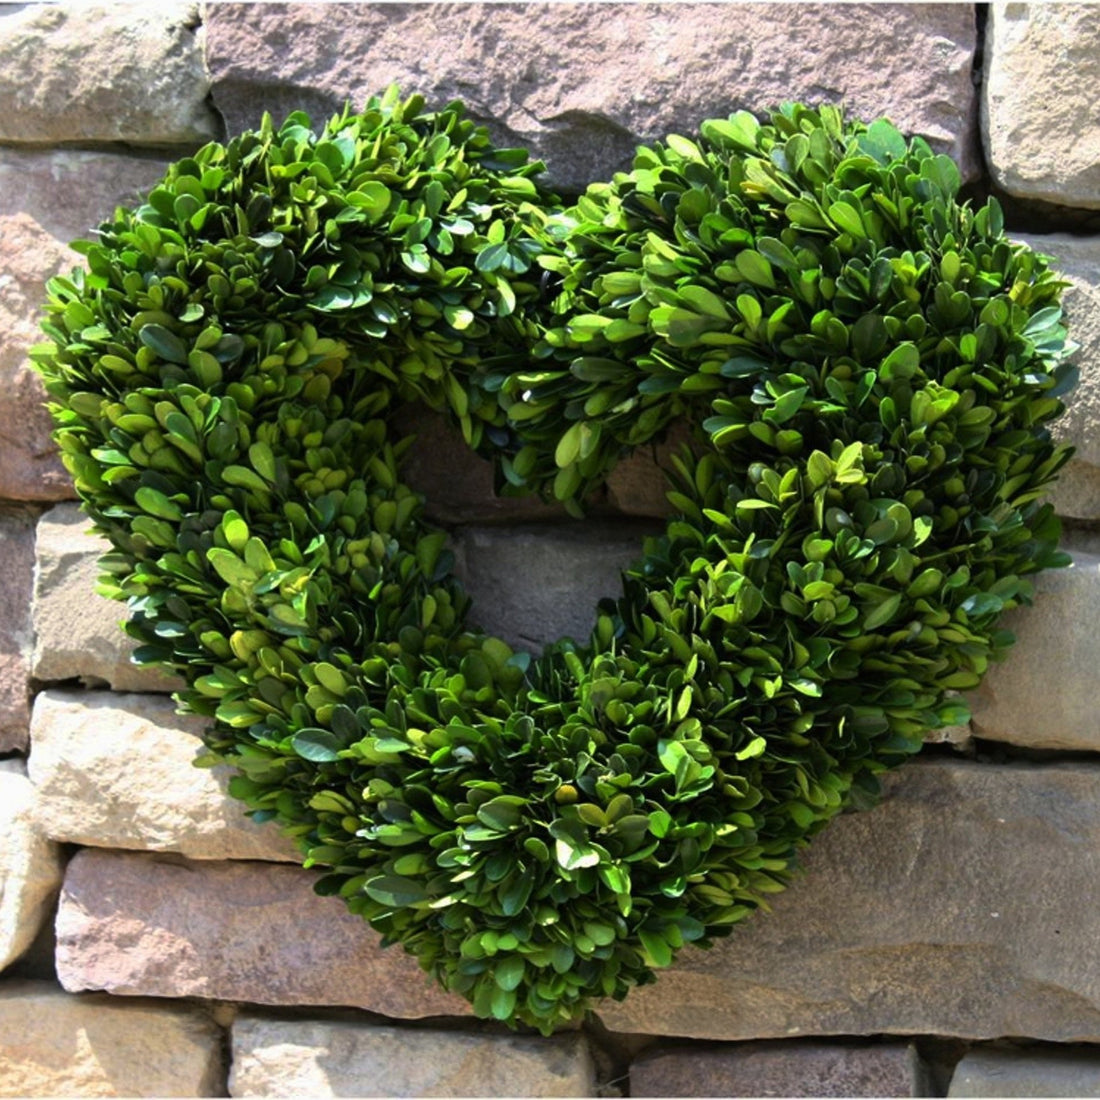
{"points": [[55, 1044], [780, 1069], [1043, 695], [47, 199], [1076, 493], [322, 1058], [29, 466], [77, 632], [30, 866], [87, 72], [1040, 119], [1038, 1071], [161, 926], [116, 771], [581, 84], [16, 638], [966, 905], [1078, 259]]}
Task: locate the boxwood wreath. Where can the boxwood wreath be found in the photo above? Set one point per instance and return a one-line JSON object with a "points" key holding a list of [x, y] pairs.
{"points": [[867, 364]]}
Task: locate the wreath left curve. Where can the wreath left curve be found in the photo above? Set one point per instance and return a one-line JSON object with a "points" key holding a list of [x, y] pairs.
{"points": [[868, 367]]}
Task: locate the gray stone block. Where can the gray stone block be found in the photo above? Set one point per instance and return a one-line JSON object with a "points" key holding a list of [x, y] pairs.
{"points": [[533, 584], [16, 637], [780, 1069], [1077, 493], [1037, 1071], [30, 866], [54, 1044], [47, 199], [116, 771]]}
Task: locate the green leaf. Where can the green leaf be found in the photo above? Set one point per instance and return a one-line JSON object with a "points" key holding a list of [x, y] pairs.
{"points": [[882, 613], [901, 364], [701, 300], [982, 604], [656, 947], [883, 142], [157, 504], [504, 812], [756, 747], [316, 745], [755, 269], [573, 855], [569, 446], [372, 197], [395, 891], [847, 219], [165, 343], [508, 972], [262, 458], [231, 569]]}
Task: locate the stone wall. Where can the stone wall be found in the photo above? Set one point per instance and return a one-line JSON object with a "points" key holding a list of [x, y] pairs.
{"points": [[154, 942]]}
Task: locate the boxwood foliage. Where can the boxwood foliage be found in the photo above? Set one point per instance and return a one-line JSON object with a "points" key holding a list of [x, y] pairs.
{"points": [[869, 367]]}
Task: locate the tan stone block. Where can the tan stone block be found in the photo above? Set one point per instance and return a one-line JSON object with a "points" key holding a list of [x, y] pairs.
{"points": [[127, 71], [54, 1044], [116, 771], [322, 1058], [1076, 493], [582, 84], [77, 632], [965, 905], [1078, 258], [16, 637], [1044, 695], [29, 466], [780, 1069], [30, 866], [1040, 120], [962, 906], [160, 926], [47, 199]]}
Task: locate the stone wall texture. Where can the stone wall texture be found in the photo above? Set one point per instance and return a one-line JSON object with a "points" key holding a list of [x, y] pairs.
{"points": [[155, 942], [581, 89], [1041, 123]]}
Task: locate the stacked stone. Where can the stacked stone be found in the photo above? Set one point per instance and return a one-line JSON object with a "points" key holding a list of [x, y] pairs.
{"points": [[153, 941]]}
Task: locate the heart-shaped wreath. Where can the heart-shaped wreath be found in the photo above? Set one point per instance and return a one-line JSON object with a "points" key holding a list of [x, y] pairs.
{"points": [[868, 367]]}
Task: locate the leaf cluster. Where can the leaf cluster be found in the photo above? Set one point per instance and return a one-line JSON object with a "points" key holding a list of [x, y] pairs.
{"points": [[869, 367]]}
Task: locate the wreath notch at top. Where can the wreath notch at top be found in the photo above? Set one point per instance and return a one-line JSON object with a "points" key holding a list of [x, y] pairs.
{"points": [[868, 367]]}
